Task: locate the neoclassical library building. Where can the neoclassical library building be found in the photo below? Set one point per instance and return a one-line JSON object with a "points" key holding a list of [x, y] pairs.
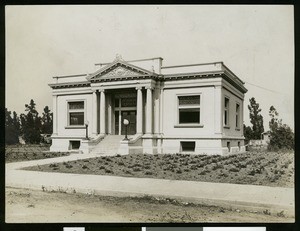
{"points": [[142, 106]]}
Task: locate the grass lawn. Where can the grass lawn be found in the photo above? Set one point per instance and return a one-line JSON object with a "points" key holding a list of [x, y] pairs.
{"points": [[15, 153], [257, 167]]}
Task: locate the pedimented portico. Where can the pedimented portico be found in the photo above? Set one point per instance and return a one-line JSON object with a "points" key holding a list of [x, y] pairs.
{"points": [[151, 101]]}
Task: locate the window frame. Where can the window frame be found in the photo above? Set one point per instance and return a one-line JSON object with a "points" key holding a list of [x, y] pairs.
{"points": [[76, 110], [237, 116], [183, 143], [191, 107], [226, 110]]}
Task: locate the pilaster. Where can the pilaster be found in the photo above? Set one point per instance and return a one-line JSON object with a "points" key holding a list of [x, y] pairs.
{"points": [[94, 115], [149, 111], [102, 111], [139, 119], [54, 110]]}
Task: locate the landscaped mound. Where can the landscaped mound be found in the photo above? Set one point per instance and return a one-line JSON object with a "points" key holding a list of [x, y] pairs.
{"points": [[260, 168], [14, 153]]}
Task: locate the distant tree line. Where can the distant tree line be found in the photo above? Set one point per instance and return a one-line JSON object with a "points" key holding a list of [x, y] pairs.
{"points": [[28, 125], [281, 135]]}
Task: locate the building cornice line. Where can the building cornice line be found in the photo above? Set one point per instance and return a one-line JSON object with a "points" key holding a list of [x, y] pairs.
{"points": [[136, 60], [68, 76], [191, 65], [70, 85]]}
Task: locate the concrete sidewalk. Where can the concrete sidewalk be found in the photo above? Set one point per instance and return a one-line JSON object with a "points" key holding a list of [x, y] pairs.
{"points": [[235, 196]]}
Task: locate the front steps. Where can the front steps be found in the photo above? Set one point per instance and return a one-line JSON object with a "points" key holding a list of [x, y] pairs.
{"points": [[108, 146]]}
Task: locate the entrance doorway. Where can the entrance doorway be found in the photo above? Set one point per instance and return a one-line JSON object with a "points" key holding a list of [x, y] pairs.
{"points": [[131, 117], [125, 108]]}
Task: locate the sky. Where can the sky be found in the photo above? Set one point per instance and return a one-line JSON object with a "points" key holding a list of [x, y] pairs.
{"points": [[256, 42]]}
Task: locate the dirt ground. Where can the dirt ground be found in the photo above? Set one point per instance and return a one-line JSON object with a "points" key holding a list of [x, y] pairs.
{"points": [[29, 206], [256, 167]]}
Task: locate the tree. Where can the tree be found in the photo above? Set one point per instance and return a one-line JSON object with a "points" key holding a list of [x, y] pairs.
{"points": [[47, 121], [248, 133], [12, 127], [16, 122], [31, 124], [256, 119], [281, 135]]}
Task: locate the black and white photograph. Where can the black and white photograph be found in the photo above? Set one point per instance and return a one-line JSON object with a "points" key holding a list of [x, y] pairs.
{"points": [[149, 114]]}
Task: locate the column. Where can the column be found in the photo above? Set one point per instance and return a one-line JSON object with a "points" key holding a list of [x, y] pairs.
{"points": [[94, 116], [54, 111], [109, 114], [149, 111], [102, 112], [157, 111], [139, 113]]}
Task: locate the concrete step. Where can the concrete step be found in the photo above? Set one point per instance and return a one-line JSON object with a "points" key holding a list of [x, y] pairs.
{"points": [[109, 145]]}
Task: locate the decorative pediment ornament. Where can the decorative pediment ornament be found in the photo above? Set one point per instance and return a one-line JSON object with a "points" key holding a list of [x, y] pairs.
{"points": [[118, 57], [120, 72]]}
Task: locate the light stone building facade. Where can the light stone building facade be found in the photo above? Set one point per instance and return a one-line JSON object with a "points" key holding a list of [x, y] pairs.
{"points": [[196, 108]]}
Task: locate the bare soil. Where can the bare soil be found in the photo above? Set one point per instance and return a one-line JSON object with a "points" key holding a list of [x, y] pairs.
{"points": [[29, 206], [256, 167], [15, 153]]}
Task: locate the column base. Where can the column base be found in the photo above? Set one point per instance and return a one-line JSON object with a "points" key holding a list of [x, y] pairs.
{"points": [[148, 146]]}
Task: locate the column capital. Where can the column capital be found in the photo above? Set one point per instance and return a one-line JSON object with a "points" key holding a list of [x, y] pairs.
{"points": [[101, 90], [149, 87], [138, 88]]}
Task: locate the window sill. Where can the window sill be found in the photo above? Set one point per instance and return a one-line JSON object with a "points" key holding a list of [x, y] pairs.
{"points": [[188, 126], [75, 127], [226, 126]]}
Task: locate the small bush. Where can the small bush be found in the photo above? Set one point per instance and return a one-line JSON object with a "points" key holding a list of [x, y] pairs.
{"points": [[136, 169], [108, 171], [148, 173], [84, 167]]}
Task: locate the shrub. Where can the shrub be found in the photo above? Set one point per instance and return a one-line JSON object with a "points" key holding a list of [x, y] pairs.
{"points": [[128, 172], [179, 171], [136, 169], [84, 166], [108, 171], [234, 169]]}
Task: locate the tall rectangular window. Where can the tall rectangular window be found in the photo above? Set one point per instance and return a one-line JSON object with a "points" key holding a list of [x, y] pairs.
{"points": [[237, 116], [76, 113], [226, 112], [189, 109]]}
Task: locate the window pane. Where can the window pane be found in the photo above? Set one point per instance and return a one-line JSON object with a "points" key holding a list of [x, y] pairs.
{"points": [[74, 144], [128, 102], [117, 102], [189, 115], [225, 118], [226, 102], [76, 118], [188, 146], [237, 108], [76, 105], [189, 100]]}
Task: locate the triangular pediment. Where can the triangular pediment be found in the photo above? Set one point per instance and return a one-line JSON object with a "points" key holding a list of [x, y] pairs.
{"points": [[120, 69]]}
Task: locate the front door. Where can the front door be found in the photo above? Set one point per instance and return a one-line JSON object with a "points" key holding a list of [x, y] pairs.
{"points": [[131, 117]]}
